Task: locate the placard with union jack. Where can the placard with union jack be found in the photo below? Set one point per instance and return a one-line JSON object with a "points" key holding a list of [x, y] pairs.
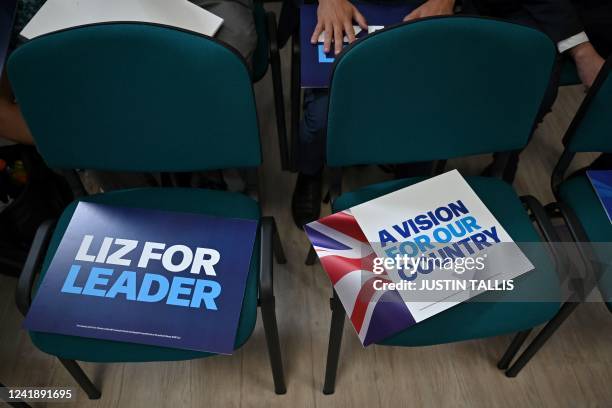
{"points": [[406, 256], [347, 258]]}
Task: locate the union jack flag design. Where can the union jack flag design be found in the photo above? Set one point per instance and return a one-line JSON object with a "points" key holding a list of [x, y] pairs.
{"points": [[347, 257]]}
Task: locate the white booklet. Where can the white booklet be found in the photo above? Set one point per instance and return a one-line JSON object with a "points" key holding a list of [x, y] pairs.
{"points": [[441, 245], [57, 15]]}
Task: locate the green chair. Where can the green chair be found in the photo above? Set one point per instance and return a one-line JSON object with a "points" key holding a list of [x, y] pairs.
{"points": [[431, 90], [577, 203], [146, 98]]}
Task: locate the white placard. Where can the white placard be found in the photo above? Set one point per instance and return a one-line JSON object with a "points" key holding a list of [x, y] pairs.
{"points": [[57, 15], [356, 29], [391, 220]]}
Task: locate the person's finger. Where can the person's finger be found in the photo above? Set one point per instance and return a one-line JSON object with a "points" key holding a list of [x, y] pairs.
{"points": [[350, 32], [317, 32], [360, 19], [412, 16], [327, 37], [338, 37]]}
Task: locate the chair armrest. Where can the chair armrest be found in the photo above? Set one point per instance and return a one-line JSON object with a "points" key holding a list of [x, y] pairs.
{"points": [[296, 101], [33, 264], [288, 21], [272, 32], [541, 218], [593, 268], [277, 83], [266, 264], [551, 237], [335, 185]]}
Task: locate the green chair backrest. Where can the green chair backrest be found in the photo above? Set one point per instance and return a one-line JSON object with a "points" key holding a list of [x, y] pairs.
{"points": [[435, 89], [591, 128], [136, 97]]}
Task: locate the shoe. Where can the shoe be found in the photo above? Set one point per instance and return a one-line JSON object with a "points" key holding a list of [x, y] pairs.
{"points": [[306, 201]]}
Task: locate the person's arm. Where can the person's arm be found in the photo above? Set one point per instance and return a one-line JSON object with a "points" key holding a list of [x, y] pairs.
{"points": [[432, 8], [588, 62], [334, 18], [559, 20]]}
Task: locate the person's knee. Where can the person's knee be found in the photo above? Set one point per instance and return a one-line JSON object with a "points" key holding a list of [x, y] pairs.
{"points": [[314, 122], [12, 125], [6, 112], [315, 111], [245, 41], [238, 29]]}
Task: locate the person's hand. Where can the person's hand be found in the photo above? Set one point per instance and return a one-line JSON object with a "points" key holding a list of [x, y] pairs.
{"points": [[432, 8], [588, 62], [334, 18]]}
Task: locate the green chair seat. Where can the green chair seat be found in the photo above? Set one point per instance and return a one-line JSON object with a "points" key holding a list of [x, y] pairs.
{"points": [[210, 202], [504, 312], [578, 194]]}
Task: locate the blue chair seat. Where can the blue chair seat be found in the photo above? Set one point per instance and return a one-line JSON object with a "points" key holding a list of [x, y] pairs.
{"points": [[210, 202], [504, 312], [578, 194]]}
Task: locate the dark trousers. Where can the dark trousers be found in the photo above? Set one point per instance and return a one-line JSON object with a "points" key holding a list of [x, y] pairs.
{"points": [[311, 143], [596, 17]]}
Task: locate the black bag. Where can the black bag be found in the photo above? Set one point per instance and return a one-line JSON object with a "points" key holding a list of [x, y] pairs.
{"points": [[44, 196]]}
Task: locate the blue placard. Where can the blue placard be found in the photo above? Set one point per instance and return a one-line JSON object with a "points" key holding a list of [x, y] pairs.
{"points": [[602, 183], [316, 65], [145, 276]]}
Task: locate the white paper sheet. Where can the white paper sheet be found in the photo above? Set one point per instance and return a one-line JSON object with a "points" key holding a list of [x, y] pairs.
{"points": [[61, 14]]}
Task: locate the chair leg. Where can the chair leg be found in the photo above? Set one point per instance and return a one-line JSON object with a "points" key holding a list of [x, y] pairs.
{"points": [[335, 341], [18, 404], [277, 247], [514, 347], [15, 404], [81, 378], [541, 338], [274, 351], [74, 181], [311, 258], [267, 302], [277, 86], [296, 102], [281, 123], [251, 182]]}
